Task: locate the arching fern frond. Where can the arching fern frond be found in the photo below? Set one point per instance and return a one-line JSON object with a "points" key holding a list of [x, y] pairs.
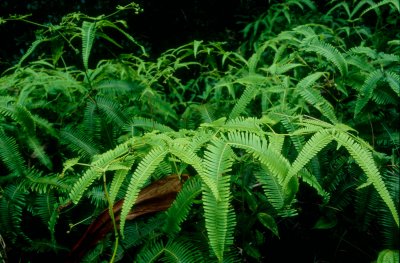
{"points": [[77, 141], [272, 189], [112, 111], [363, 158], [248, 94], [97, 168], [315, 144], [146, 124], [367, 90], [178, 251], [142, 173], [12, 205], [10, 154], [314, 97], [218, 213], [179, 209], [88, 34]]}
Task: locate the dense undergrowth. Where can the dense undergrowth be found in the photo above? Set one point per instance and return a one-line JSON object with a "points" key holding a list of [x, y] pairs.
{"points": [[286, 146]]}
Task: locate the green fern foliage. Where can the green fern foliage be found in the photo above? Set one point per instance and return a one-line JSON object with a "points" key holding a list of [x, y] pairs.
{"points": [[173, 251], [10, 154], [142, 173], [219, 216], [88, 36], [179, 210]]}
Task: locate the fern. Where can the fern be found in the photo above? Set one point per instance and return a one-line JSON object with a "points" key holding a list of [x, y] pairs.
{"points": [[142, 173], [330, 53], [315, 144], [173, 251], [314, 98], [248, 94], [88, 36], [364, 159], [97, 168], [179, 210], [367, 90], [272, 189], [218, 214], [146, 124], [10, 154], [77, 141]]}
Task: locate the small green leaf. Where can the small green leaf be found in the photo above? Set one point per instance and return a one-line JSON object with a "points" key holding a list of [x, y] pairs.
{"points": [[325, 223], [269, 222]]}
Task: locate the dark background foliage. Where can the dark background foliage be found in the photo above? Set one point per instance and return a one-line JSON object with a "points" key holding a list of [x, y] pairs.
{"points": [[162, 25]]}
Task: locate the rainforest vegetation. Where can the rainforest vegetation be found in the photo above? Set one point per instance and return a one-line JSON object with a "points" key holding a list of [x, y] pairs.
{"points": [[272, 136]]}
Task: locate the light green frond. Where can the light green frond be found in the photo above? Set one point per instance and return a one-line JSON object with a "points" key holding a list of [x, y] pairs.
{"points": [[248, 95], [142, 173], [10, 154], [277, 164], [367, 90], [330, 53], [146, 124], [393, 79], [364, 159], [272, 188], [97, 168], [176, 251], [77, 141], [118, 179], [218, 160], [179, 209], [38, 151], [112, 111], [88, 35], [187, 155], [314, 97], [276, 142], [315, 144], [312, 181]]}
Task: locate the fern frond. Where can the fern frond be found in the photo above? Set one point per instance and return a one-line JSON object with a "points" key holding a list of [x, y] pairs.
{"points": [[88, 35], [249, 93], [367, 90], [314, 97], [219, 217], [374, 6], [363, 158], [188, 155], [41, 184], [312, 181], [97, 168], [111, 110], [12, 206], [38, 151], [272, 189], [10, 154], [77, 141], [179, 209], [44, 206], [393, 79], [330, 53], [146, 124], [257, 146], [315, 144], [142, 173], [174, 251]]}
